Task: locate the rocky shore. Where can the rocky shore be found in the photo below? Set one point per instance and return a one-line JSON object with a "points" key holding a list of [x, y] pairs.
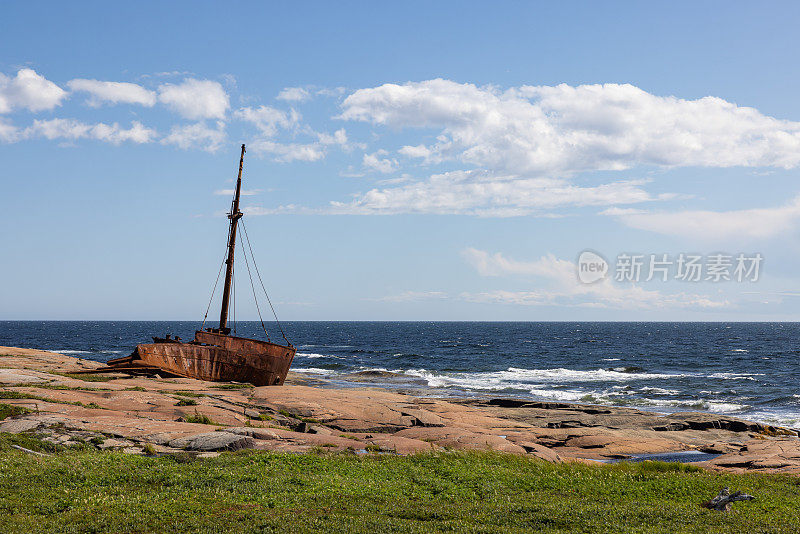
{"points": [[176, 415]]}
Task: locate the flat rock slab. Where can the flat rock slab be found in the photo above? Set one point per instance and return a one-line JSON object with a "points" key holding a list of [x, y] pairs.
{"points": [[16, 426], [213, 441], [300, 418], [14, 376]]}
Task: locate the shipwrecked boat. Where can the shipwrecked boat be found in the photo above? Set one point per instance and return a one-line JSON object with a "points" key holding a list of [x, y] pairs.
{"points": [[215, 354]]}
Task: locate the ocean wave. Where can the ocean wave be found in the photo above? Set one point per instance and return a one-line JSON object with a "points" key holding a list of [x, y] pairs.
{"points": [[73, 351], [313, 355], [519, 378], [312, 370], [683, 404], [559, 394], [735, 376], [659, 391]]}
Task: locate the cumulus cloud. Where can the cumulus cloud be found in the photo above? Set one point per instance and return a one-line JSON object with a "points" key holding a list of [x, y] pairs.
{"points": [[378, 162], [755, 223], [267, 119], [197, 135], [562, 130], [294, 94], [271, 121], [8, 132], [288, 152], [113, 92], [29, 90], [564, 288], [71, 129], [484, 194], [195, 99]]}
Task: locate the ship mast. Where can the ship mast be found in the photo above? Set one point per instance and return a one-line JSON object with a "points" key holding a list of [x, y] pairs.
{"points": [[234, 217]]}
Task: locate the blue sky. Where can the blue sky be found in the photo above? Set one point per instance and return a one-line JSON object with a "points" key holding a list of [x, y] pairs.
{"points": [[413, 161]]}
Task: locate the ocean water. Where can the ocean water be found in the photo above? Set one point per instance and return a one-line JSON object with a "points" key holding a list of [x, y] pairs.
{"points": [[748, 370]]}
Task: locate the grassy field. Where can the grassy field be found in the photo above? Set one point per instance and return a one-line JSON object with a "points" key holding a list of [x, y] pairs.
{"points": [[91, 491]]}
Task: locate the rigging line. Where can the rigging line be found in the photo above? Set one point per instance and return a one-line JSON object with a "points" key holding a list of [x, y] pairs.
{"points": [[212, 293], [253, 287], [233, 303], [250, 246]]}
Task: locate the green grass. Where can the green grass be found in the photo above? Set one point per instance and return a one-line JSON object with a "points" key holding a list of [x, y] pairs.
{"points": [[89, 377], [80, 491], [186, 402], [57, 387], [187, 393], [23, 395], [199, 418], [233, 386], [8, 410]]}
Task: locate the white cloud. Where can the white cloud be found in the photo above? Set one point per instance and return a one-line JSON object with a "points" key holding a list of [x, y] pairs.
{"points": [[478, 193], [757, 223], [376, 162], [268, 119], [294, 94], [72, 129], [335, 91], [566, 289], [29, 90], [195, 99], [562, 130], [197, 135], [498, 265], [287, 153], [8, 132], [113, 92], [339, 137]]}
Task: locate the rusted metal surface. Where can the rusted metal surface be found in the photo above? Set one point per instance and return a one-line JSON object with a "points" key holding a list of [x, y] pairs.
{"points": [[234, 359]]}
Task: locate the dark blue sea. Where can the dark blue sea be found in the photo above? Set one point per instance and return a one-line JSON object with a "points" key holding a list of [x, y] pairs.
{"points": [[748, 370]]}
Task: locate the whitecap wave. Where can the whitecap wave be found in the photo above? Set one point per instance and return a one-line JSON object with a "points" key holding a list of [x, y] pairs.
{"points": [[521, 378], [559, 394], [735, 376], [313, 370]]}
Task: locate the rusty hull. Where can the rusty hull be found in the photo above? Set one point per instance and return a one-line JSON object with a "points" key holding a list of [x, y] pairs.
{"points": [[220, 358]]}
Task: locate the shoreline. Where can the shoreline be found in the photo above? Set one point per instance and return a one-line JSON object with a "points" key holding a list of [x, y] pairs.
{"points": [[174, 415]]}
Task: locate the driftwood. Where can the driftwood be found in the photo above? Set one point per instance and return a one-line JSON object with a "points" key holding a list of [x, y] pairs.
{"points": [[23, 449], [724, 499]]}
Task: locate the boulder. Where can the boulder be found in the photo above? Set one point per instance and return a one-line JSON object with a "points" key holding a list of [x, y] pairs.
{"points": [[213, 441], [539, 451]]}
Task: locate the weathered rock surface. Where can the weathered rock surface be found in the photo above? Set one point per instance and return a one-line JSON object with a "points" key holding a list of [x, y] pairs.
{"points": [[125, 413], [213, 441]]}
